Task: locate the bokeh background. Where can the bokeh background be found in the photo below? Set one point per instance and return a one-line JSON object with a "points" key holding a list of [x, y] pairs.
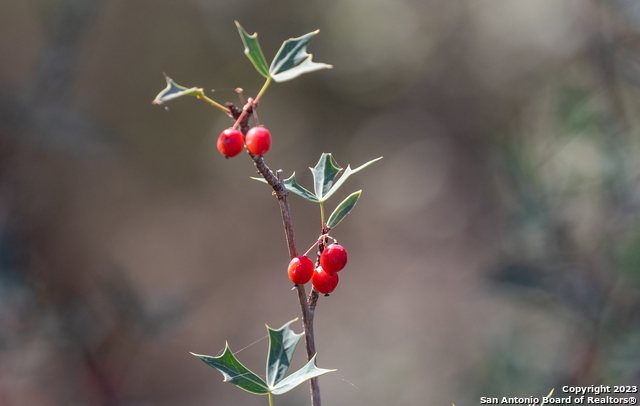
{"points": [[495, 250]]}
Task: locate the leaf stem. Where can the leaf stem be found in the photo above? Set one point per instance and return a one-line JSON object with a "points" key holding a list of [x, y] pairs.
{"points": [[270, 399], [264, 88], [322, 213], [213, 102]]}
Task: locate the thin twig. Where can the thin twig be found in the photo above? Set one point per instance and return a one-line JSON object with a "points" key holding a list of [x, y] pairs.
{"points": [[239, 91]]}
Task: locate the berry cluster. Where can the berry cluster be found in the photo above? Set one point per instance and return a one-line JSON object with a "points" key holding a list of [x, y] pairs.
{"points": [[231, 141], [325, 277]]}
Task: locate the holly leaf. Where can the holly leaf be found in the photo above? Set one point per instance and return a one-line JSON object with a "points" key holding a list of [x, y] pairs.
{"points": [[343, 209], [348, 172], [324, 173], [174, 90], [292, 186], [282, 344], [310, 370], [253, 51], [236, 373], [292, 60]]}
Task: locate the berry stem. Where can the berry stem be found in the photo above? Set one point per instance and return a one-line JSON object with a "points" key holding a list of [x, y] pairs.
{"points": [[320, 239], [310, 248], [249, 106], [244, 113]]}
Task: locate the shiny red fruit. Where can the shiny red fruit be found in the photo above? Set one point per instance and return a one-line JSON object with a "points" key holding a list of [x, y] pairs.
{"points": [[300, 270], [333, 258], [323, 281], [230, 142], [258, 140]]}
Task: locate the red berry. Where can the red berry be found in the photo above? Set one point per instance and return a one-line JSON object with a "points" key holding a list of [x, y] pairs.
{"points": [[230, 142], [323, 281], [300, 270], [258, 140], [333, 258]]}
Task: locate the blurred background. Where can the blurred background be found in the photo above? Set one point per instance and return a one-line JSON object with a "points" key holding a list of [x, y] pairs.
{"points": [[495, 250]]}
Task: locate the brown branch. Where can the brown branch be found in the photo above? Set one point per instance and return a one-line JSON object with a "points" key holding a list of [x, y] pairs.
{"points": [[307, 316], [312, 301], [307, 313], [277, 184]]}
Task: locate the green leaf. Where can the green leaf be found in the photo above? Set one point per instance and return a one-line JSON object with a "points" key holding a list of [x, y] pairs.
{"points": [[303, 374], [236, 373], [343, 209], [292, 186], [282, 344], [348, 172], [292, 60], [253, 51], [174, 90], [324, 174]]}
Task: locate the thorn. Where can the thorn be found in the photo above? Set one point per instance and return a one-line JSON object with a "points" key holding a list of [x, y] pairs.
{"points": [[294, 287]]}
